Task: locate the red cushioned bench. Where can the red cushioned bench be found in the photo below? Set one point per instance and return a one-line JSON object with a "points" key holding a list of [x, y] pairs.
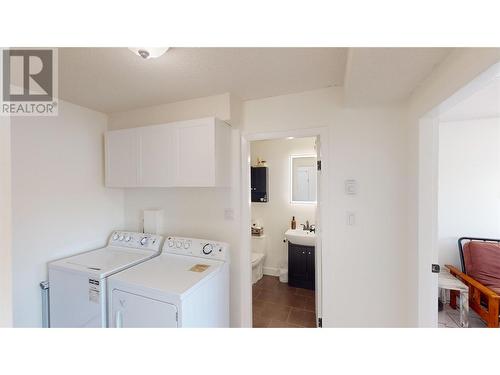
{"points": [[480, 261]]}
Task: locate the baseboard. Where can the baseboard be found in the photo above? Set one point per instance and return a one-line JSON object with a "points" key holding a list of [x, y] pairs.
{"points": [[271, 271]]}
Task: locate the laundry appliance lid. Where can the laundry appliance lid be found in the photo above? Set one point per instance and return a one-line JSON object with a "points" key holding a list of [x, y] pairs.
{"points": [[170, 273], [103, 261]]}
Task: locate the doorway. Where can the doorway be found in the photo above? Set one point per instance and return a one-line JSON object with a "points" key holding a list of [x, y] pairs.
{"points": [[445, 135], [276, 296]]}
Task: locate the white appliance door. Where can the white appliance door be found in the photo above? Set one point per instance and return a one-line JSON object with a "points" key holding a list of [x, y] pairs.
{"points": [[135, 311]]}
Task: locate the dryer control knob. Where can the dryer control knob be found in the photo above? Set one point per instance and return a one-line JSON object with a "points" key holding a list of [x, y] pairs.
{"points": [[207, 249], [144, 241]]}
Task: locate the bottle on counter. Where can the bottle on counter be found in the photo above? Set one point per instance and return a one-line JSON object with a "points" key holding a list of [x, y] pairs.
{"points": [[294, 223]]}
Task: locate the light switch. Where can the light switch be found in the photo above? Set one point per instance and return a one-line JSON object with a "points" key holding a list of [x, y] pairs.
{"points": [[351, 218], [351, 187]]}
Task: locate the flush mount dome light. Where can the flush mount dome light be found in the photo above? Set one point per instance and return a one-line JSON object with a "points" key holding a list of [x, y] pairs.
{"points": [[148, 52]]}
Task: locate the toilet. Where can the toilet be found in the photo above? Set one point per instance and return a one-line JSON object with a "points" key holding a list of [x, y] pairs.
{"points": [[258, 257], [257, 266]]}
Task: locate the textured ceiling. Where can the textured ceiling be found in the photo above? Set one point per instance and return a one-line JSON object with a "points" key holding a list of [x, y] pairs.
{"points": [[381, 76], [114, 79]]}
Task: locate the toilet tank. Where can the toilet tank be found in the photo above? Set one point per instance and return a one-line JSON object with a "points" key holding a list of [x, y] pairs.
{"points": [[259, 244]]}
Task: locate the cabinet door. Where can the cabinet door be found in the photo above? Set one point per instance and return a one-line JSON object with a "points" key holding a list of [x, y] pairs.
{"points": [[155, 150], [297, 265], [194, 154], [259, 184], [311, 267], [121, 158], [134, 311]]}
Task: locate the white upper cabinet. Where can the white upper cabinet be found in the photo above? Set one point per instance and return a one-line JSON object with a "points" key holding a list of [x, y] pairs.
{"points": [[184, 153], [155, 155], [194, 150]]}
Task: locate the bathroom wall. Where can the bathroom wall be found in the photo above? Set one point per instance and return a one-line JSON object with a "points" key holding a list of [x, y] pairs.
{"points": [[60, 205], [276, 214], [469, 183]]}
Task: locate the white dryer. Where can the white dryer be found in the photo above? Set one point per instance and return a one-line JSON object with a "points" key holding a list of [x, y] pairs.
{"points": [[186, 286], [77, 294]]}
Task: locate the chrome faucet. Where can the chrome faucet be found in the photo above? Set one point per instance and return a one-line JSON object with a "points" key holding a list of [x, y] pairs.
{"points": [[310, 228]]}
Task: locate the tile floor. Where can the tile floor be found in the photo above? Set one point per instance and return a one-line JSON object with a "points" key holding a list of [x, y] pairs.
{"points": [[277, 305], [450, 318]]}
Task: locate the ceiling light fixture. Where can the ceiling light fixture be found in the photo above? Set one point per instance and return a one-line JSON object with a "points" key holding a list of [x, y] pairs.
{"points": [[148, 52]]}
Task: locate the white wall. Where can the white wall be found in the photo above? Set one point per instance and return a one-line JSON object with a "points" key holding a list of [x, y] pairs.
{"points": [[5, 225], [469, 183], [60, 204], [459, 68], [219, 106], [364, 270], [276, 214]]}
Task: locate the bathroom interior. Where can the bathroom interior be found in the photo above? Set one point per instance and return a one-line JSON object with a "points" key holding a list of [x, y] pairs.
{"points": [[283, 208]]}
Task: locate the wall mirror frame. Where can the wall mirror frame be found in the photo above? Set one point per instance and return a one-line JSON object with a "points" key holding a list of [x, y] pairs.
{"points": [[303, 179]]}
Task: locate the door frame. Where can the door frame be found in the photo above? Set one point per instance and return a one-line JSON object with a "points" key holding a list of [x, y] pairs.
{"points": [[322, 135], [428, 189]]}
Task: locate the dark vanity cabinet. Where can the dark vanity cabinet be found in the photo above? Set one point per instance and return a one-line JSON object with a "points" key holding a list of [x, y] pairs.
{"points": [[301, 266], [259, 183]]}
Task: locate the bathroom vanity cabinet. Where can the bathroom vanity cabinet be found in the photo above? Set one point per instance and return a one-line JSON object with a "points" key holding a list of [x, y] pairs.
{"points": [[301, 266]]}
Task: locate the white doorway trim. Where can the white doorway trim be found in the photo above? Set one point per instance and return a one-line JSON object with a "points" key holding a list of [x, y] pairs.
{"points": [[321, 212], [428, 252]]}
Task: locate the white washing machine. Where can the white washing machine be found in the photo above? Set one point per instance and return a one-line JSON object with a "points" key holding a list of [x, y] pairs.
{"points": [[77, 294], [186, 286]]}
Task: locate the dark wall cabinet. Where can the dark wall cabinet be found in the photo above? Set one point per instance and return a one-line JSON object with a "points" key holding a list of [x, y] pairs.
{"points": [[259, 177], [301, 266]]}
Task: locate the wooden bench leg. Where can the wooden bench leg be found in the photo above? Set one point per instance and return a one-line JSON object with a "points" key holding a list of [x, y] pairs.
{"points": [[453, 299], [493, 310]]}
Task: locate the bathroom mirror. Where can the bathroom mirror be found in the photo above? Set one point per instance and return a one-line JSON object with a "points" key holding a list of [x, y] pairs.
{"points": [[303, 178]]}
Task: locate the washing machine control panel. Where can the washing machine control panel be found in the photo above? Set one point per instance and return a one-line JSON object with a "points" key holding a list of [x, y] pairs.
{"points": [[135, 240], [197, 247]]}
